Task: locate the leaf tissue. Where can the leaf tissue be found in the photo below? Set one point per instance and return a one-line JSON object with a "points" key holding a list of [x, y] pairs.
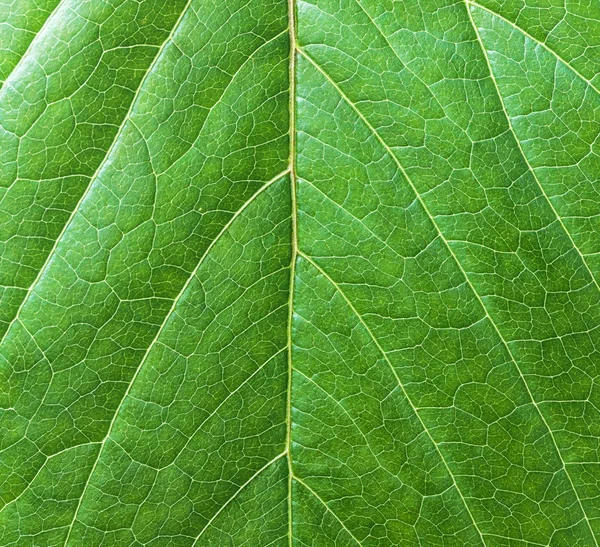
{"points": [[309, 273]]}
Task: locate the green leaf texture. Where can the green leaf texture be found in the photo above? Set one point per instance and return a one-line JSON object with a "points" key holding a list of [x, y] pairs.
{"points": [[318, 273]]}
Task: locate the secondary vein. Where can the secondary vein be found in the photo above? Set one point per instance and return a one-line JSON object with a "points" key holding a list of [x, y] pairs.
{"points": [[97, 172], [484, 51], [543, 44], [397, 378], [45, 24], [460, 267], [158, 332]]}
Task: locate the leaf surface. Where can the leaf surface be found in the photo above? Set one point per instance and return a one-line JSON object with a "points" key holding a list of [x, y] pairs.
{"points": [[317, 273]]}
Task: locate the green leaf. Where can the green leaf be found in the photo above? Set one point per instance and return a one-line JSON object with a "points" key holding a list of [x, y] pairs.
{"points": [[311, 273]]}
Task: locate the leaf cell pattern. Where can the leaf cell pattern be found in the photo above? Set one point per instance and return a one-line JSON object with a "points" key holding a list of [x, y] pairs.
{"points": [[311, 273]]}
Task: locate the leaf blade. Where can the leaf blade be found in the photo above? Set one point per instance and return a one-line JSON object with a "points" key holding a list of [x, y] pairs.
{"points": [[353, 74], [136, 304], [323, 288]]}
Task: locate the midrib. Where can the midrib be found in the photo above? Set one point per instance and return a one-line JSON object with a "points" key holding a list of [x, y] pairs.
{"points": [[294, 253]]}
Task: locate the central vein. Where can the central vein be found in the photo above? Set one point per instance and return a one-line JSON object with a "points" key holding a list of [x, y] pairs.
{"points": [[294, 241]]}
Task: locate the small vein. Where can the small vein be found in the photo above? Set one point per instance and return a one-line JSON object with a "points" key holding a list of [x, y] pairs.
{"points": [[343, 409], [387, 41], [158, 332], [41, 468], [229, 396], [544, 45], [97, 172], [509, 121], [358, 220], [400, 384], [236, 494], [31, 44], [309, 489]]}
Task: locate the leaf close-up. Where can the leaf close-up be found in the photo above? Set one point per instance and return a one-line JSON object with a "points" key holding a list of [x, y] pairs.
{"points": [[303, 273]]}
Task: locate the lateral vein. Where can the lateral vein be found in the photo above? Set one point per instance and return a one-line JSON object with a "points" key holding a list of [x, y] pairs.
{"points": [[31, 44], [459, 265], [94, 176], [532, 171], [400, 384], [158, 332], [316, 496], [543, 44], [240, 489]]}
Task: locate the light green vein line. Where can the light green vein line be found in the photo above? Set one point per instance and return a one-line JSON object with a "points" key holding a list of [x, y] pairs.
{"points": [[212, 108], [294, 253], [384, 36], [529, 542], [459, 265], [224, 402], [97, 172], [309, 489], [237, 493], [509, 121], [41, 468], [45, 24], [354, 217], [400, 384], [535, 40], [158, 332], [532, 171], [339, 404]]}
